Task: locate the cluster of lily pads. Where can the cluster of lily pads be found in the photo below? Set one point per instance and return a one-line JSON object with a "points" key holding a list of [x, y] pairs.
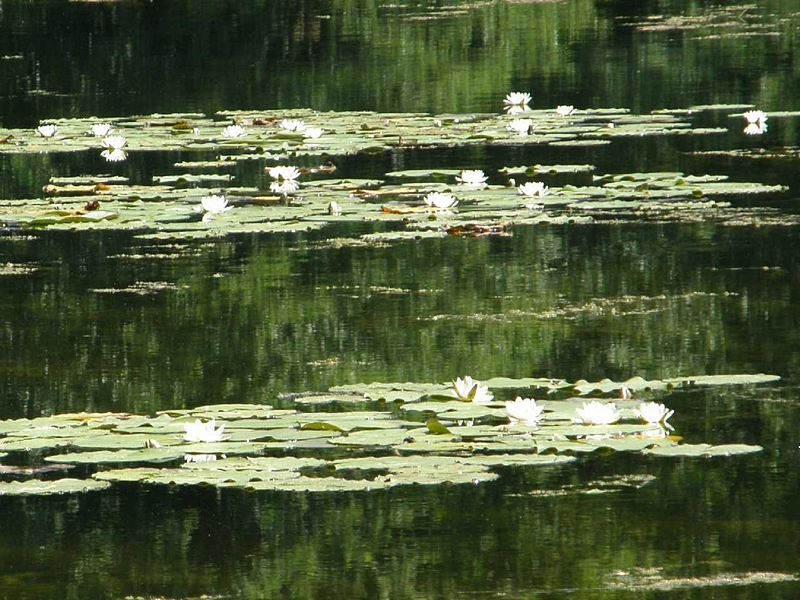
{"points": [[527, 412], [390, 434], [291, 144]]}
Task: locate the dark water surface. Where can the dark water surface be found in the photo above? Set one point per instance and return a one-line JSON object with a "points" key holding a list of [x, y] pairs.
{"points": [[248, 318]]}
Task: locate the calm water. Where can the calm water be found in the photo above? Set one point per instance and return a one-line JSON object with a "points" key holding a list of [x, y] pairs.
{"points": [[249, 318]]}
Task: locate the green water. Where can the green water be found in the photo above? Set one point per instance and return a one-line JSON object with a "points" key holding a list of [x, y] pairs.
{"points": [[249, 318]]}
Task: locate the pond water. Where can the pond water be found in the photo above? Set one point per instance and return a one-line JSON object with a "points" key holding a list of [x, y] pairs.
{"points": [[111, 321]]}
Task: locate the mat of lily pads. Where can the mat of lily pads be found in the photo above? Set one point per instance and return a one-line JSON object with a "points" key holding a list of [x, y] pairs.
{"points": [[168, 206], [406, 434]]}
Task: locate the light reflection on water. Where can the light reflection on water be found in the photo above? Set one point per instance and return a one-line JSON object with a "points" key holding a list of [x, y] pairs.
{"points": [[252, 317]]}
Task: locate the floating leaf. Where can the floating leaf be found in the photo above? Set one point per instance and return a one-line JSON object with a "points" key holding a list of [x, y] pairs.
{"points": [[145, 455], [706, 450], [713, 380], [35, 487], [436, 428], [28, 444], [383, 437], [451, 409], [520, 460], [319, 426], [116, 441]]}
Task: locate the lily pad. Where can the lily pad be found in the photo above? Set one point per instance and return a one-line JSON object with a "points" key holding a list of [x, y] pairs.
{"points": [[145, 455], [713, 380], [459, 444], [382, 437], [706, 450], [125, 441], [27, 444], [35, 487]]}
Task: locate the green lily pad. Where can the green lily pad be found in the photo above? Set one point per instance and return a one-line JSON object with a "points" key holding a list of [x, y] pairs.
{"points": [[713, 380], [321, 399], [535, 170], [317, 485], [381, 437], [519, 460], [126, 441], [145, 455], [525, 382], [732, 449], [257, 463], [561, 446], [14, 425], [436, 428], [35, 487], [28, 444], [425, 174], [447, 408], [706, 450]]}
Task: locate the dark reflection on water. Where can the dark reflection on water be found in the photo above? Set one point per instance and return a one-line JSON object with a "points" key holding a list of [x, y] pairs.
{"points": [[255, 313], [247, 318], [82, 58], [697, 519]]}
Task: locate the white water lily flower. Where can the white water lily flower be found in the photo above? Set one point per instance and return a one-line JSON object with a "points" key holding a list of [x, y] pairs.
{"points": [[755, 128], [519, 99], [471, 177], [114, 145], [284, 186], [440, 201], [212, 205], [114, 155], [203, 432], [469, 390], [755, 116], [565, 110], [100, 129], [114, 142], [520, 126], [293, 125], [233, 131], [313, 132], [525, 410], [596, 413], [284, 173], [47, 131], [654, 413], [533, 188]]}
